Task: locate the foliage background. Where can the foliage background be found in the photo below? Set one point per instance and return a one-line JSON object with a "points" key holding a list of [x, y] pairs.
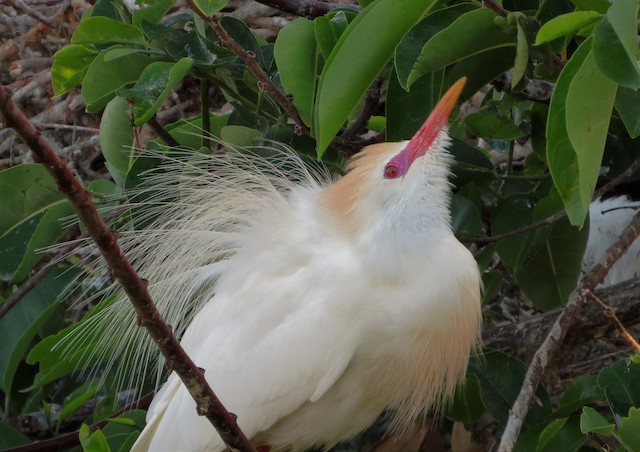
{"points": [[551, 116]]}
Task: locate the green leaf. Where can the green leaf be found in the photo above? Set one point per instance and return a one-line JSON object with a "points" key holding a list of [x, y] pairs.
{"points": [[514, 251], [565, 24], [549, 432], [240, 135], [557, 435], [600, 6], [629, 433], [328, 30], [21, 324], [116, 139], [466, 405], [615, 44], [153, 87], [465, 217], [339, 95], [564, 165], [152, 12], [69, 67], [627, 104], [10, 437], [407, 111], [78, 398], [210, 7], [473, 33], [581, 391], [27, 190], [500, 377], [492, 126], [92, 442], [48, 230], [620, 383], [411, 46], [104, 77], [589, 104], [522, 57], [103, 30], [551, 273], [296, 56], [593, 422]]}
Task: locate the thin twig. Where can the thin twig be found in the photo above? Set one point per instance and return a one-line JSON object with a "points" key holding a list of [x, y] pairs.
{"points": [[611, 314], [370, 104], [249, 58], [148, 315], [626, 174], [72, 438], [37, 15], [555, 338], [493, 6], [307, 8], [35, 279], [162, 133]]}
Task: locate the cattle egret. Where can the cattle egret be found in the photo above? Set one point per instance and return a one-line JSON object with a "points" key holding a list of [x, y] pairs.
{"points": [[323, 303]]}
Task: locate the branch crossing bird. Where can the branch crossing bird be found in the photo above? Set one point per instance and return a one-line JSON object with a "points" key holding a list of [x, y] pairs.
{"points": [[319, 305]]}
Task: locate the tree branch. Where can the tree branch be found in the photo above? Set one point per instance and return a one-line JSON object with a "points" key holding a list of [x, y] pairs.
{"points": [[555, 338], [177, 359], [307, 8]]}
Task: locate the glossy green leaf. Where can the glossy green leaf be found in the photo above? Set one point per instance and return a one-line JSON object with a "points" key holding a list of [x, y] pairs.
{"points": [[189, 132], [492, 126], [548, 434], [620, 383], [466, 405], [122, 431], [103, 78], [240, 135], [514, 251], [561, 434], [593, 422], [92, 442], [589, 103], [600, 6], [561, 156], [565, 24], [500, 377], [328, 30], [407, 111], [78, 398], [70, 64], [116, 138], [103, 30], [553, 270], [522, 57], [627, 104], [210, 7], [48, 230], [629, 433], [296, 56], [153, 87], [473, 33], [26, 189], [465, 217], [615, 44], [151, 12], [411, 46], [11, 437], [581, 391], [21, 324], [338, 94]]}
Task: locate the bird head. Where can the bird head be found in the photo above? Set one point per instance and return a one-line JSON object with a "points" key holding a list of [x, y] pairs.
{"points": [[404, 184]]}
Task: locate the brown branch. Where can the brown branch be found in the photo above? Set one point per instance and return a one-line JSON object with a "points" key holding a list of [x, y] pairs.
{"points": [[162, 133], [22, 6], [307, 8], [249, 58], [177, 359], [611, 314], [493, 6], [371, 103], [555, 338]]}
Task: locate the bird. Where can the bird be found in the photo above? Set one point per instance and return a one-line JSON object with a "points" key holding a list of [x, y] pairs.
{"points": [[321, 303], [607, 219]]}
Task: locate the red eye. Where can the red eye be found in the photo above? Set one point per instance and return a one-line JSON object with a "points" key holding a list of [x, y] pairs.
{"points": [[391, 171]]}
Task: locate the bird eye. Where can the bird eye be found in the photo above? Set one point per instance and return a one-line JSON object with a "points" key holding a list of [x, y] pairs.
{"points": [[391, 171]]}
